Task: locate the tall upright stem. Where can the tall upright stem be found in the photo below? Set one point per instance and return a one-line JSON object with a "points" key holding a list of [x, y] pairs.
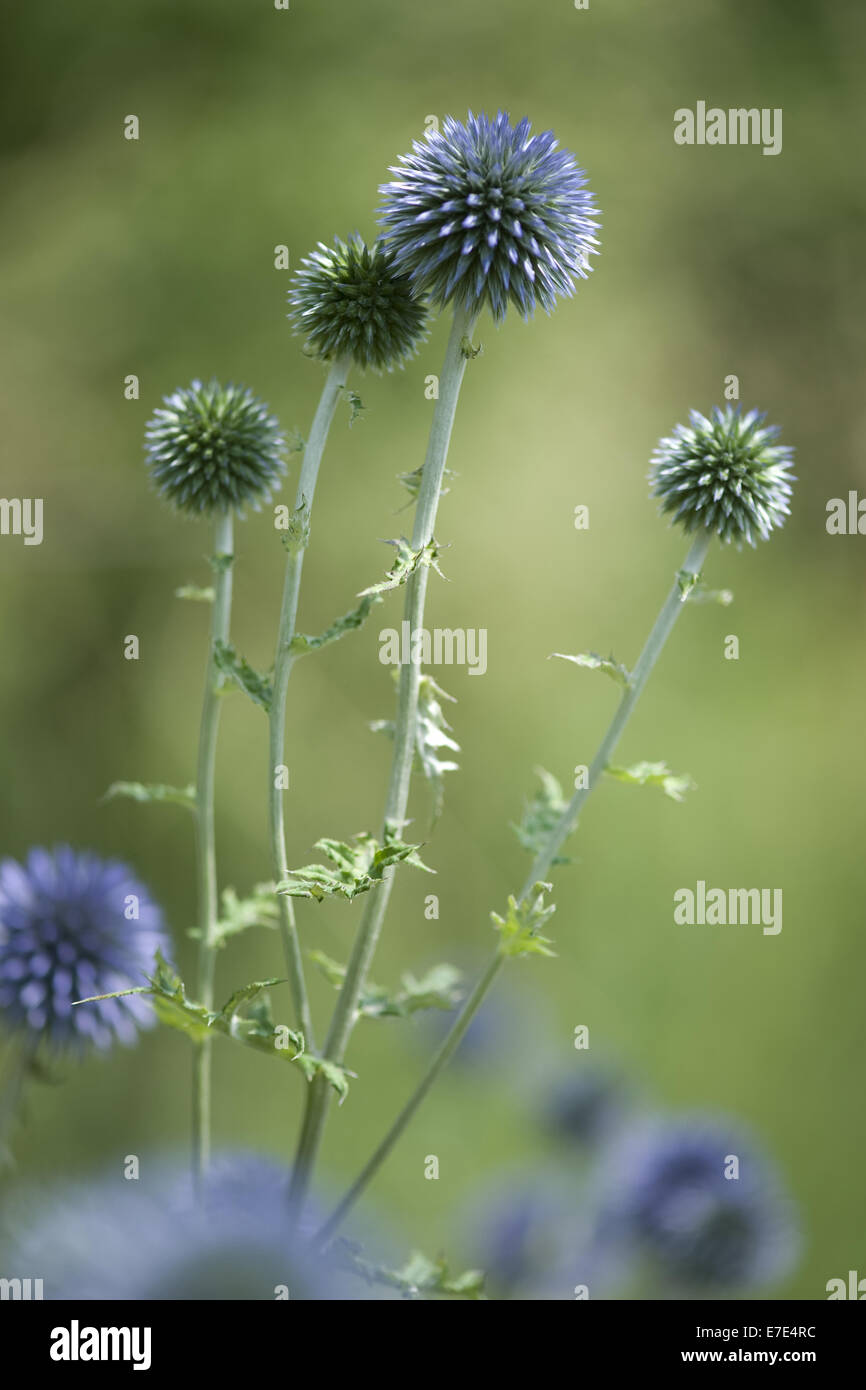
{"points": [[567, 823], [283, 662], [208, 893], [369, 930]]}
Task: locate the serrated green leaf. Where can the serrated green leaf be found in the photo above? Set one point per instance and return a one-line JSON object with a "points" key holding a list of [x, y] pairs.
{"points": [[437, 989], [295, 537], [195, 593], [541, 815], [239, 914], [520, 928], [336, 1076], [432, 734], [412, 483], [243, 995], [356, 407], [405, 565], [675, 785], [254, 1028], [358, 867], [594, 662], [348, 623], [153, 792], [687, 582], [418, 1276], [253, 683]]}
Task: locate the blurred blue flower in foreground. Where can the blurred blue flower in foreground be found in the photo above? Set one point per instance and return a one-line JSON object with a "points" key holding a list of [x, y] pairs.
{"points": [[585, 1106], [699, 1208], [529, 1235], [153, 1239], [486, 212], [73, 925]]}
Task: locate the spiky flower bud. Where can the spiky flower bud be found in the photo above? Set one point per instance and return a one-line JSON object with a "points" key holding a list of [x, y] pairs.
{"points": [[212, 448], [725, 474], [349, 300], [485, 212]]}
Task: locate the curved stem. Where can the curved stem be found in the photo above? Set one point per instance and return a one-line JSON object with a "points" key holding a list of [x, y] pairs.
{"points": [[541, 866], [369, 930], [208, 899], [283, 662], [443, 1056]]}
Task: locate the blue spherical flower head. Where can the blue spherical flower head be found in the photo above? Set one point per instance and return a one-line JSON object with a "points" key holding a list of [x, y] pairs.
{"points": [[349, 300], [155, 1238], [725, 474], [213, 448], [72, 926], [487, 213], [701, 1222]]}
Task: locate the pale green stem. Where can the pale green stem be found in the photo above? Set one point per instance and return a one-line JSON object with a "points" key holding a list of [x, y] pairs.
{"points": [[541, 867], [208, 897], [283, 662], [363, 950], [18, 1060]]}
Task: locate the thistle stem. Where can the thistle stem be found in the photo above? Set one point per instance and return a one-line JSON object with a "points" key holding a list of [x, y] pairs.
{"points": [[283, 662], [542, 864], [364, 947], [208, 899]]}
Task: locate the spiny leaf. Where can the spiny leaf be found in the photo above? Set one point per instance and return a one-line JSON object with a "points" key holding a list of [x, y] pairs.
{"points": [[420, 1275], [359, 867], [432, 733], [258, 910], [254, 1028], [336, 1076], [296, 535], [348, 623], [412, 483], [687, 582], [435, 990], [153, 791], [195, 593], [221, 563], [541, 815], [356, 407], [405, 565], [253, 683], [675, 785], [520, 928], [594, 662]]}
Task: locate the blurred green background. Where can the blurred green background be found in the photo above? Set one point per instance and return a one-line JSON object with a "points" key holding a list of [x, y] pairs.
{"points": [[261, 127]]}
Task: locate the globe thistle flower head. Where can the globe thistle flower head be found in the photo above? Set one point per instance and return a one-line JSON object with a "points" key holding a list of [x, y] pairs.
{"points": [[73, 926], [677, 1200], [213, 448], [349, 300], [487, 213], [725, 474], [155, 1238]]}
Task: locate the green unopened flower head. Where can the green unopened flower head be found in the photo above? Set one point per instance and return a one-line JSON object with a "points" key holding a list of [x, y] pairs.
{"points": [[348, 300], [212, 448], [726, 474]]}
